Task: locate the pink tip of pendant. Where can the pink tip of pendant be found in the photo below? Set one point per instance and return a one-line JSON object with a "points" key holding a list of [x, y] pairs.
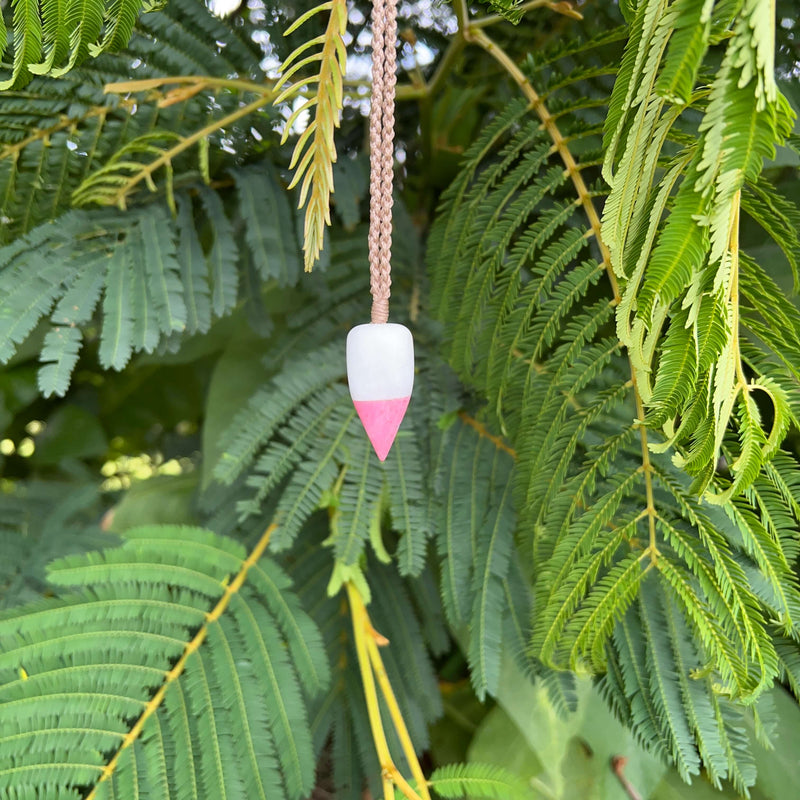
{"points": [[381, 419]]}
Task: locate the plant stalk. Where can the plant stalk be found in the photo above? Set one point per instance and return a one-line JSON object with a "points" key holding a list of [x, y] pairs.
{"points": [[363, 636]]}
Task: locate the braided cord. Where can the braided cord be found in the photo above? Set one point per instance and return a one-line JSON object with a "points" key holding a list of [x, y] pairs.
{"points": [[381, 140]]}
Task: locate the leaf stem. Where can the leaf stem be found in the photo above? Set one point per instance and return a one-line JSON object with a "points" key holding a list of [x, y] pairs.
{"points": [[618, 768], [397, 716], [148, 169], [363, 633], [368, 679], [564, 8], [733, 246], [483, 432], [13, 149], [126, 87]]}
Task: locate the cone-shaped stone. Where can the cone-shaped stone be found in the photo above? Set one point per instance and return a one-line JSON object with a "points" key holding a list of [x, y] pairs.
{"points": [[381, 419], [380, 372]]}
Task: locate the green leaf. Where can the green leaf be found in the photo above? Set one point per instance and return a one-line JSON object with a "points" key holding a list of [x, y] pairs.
{"points": [[687, 46], [96, 659], [351, 179], [408, 502], [59, 356], [118, 323], [478, 781], [494, 546], [120, 19], [164, 286], [194, 272], [27, 30], [55, 31], [223, 255], [267, 219]]}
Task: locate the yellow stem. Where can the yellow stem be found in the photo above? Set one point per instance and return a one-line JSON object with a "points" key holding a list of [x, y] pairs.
{"points": [[483, 432], [480, 38], [357, 613], [170, 677], [148, 169], [362, 631], [124, 87], [397, 716], [235, 84], [564, 8], [733, 246]]}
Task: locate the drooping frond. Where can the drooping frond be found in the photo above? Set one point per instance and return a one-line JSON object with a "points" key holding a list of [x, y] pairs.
{"points": [[268, 224], [666, 694], [315, 151], [692, 261], [163, 653], [475, 540]]}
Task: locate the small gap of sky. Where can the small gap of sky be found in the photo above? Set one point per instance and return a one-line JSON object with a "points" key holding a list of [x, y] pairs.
{"points": [[421, 14], [425, 14]]}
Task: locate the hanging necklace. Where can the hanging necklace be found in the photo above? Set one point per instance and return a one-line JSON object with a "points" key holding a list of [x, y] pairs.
{"points": [[380, 355]]}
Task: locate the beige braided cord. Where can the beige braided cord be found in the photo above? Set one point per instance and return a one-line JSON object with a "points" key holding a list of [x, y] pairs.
{"points": [[381, 141]]}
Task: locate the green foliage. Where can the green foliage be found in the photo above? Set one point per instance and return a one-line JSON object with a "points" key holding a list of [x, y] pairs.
{"points": [[57, 134], [197, 657], [54, 38], [475, 780], [147, 272], [533, 333], [476, 574], [43, 520], [693, 262], [568, 757], [597, 473], [509, 9]]}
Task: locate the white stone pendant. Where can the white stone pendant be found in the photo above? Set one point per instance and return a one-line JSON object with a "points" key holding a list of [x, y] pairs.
{"points": [[380, 371]]}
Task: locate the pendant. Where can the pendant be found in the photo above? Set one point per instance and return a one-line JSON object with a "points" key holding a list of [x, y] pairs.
{"points": [[380, 372]]}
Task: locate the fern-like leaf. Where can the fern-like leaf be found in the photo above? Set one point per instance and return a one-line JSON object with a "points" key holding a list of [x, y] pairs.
{"points": [[479, 781], [599, 513], [147, 272], [50, 145], [162, 652], [53, 39], [268, 225], [59, 356]]}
